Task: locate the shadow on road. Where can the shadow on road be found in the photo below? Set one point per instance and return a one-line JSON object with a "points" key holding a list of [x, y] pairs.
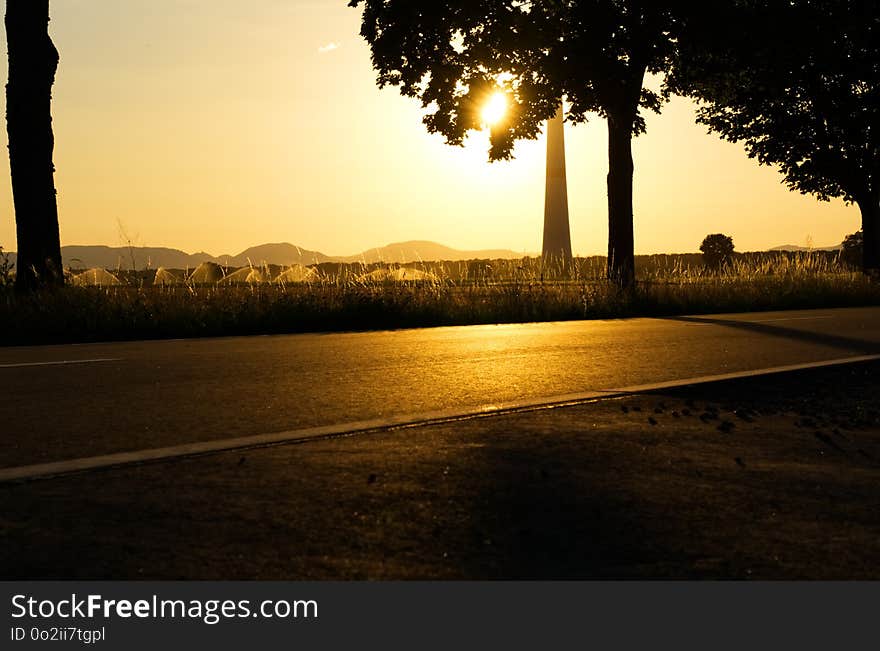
{"points": [[541, 518], [849, 344]]}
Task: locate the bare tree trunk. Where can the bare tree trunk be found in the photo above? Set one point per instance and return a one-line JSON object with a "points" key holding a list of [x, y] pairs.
{"points": [[33, 61], [621, 254], [870, 208]]}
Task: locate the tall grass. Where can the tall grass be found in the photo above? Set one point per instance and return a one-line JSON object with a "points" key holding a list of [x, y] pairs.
{"points": [[458, 294]]}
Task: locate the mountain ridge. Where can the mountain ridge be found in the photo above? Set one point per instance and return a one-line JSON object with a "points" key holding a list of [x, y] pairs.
{"points": [[791, 248], [427, 251], [283, 254], [286, 254]]}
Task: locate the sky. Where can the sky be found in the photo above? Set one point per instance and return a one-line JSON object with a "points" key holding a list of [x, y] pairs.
{"points": [[215, 125]]}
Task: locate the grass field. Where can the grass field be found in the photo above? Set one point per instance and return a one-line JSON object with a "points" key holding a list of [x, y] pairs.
{"points": [[477, 292]]}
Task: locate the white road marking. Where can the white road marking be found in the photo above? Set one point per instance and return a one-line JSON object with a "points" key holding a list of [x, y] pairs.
{"points": [[63, 362], [186, 450]]}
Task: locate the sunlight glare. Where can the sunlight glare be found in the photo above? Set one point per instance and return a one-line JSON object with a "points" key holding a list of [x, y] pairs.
{"points": [[495, 109]]}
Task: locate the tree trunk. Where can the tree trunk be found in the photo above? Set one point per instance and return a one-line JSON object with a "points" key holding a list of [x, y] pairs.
{"points": [[621, 254], [870, 208], [33, 61]]}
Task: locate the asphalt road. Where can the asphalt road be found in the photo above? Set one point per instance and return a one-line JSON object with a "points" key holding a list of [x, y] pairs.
{"points": [[771, 477], [63, 402]]}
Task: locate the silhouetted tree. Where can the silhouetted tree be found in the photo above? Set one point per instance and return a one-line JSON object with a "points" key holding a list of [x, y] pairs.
{"points": [[851, 251], [33, 61], [799, 84], [717, 250], [596, 53]]}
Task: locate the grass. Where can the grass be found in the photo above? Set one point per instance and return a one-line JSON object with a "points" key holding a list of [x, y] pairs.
{"points": [[462, 294]]}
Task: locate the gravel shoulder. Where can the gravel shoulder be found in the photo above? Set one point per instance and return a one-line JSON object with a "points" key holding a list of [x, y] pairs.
{"points": [[769, 478]]}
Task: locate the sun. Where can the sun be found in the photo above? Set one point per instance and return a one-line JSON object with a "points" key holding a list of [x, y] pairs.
{"points": [[495, 109]]}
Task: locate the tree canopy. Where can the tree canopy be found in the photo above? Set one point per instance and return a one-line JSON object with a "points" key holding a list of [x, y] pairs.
{"points": [[802, 92], [454, 55], [717, 250]]}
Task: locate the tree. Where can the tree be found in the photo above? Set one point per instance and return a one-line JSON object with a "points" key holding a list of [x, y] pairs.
{"points": [[801, 92], [852, 249], [453, 56], [717, 250], [33, 61]]}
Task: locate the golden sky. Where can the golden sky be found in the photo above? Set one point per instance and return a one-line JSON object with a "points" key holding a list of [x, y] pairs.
{"points": [[216, 125]]}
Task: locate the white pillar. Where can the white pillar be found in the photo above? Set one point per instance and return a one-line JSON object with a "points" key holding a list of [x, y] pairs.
{"points": [[557, 234]]}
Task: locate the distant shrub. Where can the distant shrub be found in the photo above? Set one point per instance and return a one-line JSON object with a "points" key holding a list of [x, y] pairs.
{"points": [[717, 250], [6, 276], [851, 251]]}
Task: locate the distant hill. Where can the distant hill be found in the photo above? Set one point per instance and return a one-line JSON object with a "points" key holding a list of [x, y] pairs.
{"points": [[284, 254], [416, 251], [88, 257], [280, 254], [794, 247]]}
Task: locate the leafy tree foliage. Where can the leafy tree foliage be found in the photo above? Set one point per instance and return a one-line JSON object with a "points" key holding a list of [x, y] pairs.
{"points": [[799, 84], [454, 55], [717, 250]]}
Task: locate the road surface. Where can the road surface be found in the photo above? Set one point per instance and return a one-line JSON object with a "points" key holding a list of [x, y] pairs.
{"points": [[67, 402]]}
